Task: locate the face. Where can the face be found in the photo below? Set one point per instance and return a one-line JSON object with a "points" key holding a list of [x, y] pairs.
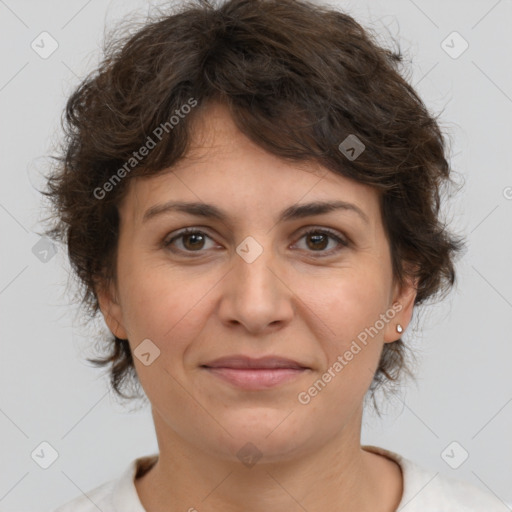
{"points": [[315, 288]]}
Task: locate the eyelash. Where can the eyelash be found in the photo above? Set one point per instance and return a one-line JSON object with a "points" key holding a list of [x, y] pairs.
{"points": [[324, 231]]}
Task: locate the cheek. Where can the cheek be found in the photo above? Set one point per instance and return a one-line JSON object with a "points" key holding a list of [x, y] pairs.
{"points": [[347, 303], [349, 328], [164, 306]]}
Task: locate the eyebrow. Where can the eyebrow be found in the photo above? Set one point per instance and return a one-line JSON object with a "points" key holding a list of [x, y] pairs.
{"points": [[210, 211]]}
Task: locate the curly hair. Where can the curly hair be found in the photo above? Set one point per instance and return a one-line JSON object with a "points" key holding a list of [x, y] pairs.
{"points": [[298, 79]]}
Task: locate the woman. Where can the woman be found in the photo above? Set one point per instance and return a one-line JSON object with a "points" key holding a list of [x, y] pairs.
{"points": [[250, 196]]}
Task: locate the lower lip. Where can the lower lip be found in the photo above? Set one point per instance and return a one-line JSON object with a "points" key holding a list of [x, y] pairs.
{"points": [[251, 378]]}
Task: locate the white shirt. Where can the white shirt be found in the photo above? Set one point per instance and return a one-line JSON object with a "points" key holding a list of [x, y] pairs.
{"points": [[423, 491]]}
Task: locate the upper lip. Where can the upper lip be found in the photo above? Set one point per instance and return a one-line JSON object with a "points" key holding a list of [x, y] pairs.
{"points": [[242, 361]]}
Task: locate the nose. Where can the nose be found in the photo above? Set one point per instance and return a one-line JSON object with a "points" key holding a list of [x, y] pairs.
{"points": [[256, 295]]}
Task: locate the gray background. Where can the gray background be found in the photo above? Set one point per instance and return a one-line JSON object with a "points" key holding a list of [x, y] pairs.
{"points": [[463, 391]]}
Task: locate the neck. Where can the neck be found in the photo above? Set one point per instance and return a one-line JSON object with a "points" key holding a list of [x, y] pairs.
{"points": [[337, 475]]}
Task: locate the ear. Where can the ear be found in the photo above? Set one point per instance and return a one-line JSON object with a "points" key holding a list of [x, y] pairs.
{"points": [[111, 309], [403, 305]]}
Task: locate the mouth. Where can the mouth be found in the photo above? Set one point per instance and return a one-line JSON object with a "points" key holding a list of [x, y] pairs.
{"points": [[255, 373]]}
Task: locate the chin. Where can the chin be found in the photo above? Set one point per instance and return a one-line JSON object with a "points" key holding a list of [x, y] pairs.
{"points": [[261, 436]]}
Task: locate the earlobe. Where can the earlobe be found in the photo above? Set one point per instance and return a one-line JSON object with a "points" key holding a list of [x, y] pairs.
{"points": [[403, 305], [111, 309]]}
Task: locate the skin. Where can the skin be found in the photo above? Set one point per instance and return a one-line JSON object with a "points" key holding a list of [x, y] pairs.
{"points": [[291, 301]]}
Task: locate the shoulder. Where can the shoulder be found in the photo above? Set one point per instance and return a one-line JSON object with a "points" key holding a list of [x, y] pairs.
{"points": [[98, 498], [117, 495], [425, 490]]}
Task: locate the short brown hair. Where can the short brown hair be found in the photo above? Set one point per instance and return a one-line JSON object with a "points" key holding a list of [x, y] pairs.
{"points": [[298, 79]]}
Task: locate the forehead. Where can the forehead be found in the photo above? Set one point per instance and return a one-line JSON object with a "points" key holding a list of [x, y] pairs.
{"points": [[224, 167]]}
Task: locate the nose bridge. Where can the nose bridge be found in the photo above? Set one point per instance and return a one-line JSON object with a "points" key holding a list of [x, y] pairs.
{"points": [[252, 270], [256, 295]]}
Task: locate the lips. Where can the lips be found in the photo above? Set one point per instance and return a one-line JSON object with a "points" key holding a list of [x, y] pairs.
{"points": [[255, 374], [245, 362]]}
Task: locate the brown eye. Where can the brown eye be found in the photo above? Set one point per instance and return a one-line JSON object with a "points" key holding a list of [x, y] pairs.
{"points": [[193, 241], [189, 240], [318, 240]]}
